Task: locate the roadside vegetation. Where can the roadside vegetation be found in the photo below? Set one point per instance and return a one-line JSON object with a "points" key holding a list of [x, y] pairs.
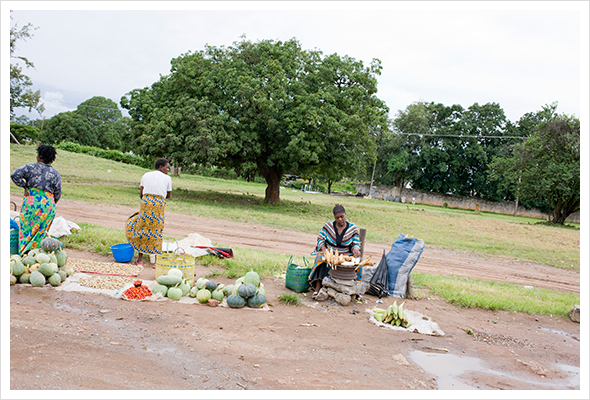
{"points": [[96, 180]]}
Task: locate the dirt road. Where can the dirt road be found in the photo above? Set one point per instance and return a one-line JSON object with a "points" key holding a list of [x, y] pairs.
{"points": [[230, 233], [63, 340]]}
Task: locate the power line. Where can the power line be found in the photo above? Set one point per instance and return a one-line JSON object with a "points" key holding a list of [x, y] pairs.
{"points": [[463, 136]]}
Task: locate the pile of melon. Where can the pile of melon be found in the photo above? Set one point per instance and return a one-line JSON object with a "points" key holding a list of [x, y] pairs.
{"points": [[247, 291], [42, 265]]}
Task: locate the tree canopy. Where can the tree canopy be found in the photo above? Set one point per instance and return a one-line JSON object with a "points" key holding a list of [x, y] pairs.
{"points": [[21, 93], [546, 166], [270, 104]]}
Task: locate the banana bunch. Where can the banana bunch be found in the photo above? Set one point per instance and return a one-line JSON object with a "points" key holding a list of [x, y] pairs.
{"points": [[394, 315]]}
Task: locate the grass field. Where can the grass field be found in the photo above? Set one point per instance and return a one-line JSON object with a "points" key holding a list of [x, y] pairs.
{"points": [[91, 179]]}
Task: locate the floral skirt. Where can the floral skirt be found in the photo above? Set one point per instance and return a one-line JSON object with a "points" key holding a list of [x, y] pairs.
{"points": [[36, 215], [144, 228]]}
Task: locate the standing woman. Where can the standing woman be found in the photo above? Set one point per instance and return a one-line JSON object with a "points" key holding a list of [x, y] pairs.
{"points": [[339, 235], [42, 184], [144, 228]]}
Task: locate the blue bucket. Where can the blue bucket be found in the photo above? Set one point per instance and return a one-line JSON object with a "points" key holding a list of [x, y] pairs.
{"points": [[123, 252]]}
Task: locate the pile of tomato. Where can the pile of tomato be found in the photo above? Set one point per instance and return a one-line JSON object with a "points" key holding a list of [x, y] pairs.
{"points": [[138, 291]]}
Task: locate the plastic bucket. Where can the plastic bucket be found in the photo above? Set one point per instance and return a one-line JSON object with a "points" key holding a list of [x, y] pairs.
{"points": [[123, 252]]}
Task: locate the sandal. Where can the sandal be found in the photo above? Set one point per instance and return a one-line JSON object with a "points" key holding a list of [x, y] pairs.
{"points": [[139, 264]]}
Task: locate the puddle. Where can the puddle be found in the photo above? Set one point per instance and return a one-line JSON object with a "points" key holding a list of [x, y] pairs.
{"points": [[449, 367], [569, 335]]}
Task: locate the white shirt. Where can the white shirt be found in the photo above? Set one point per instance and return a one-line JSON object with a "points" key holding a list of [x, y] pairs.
{"points": [[156, 182]]}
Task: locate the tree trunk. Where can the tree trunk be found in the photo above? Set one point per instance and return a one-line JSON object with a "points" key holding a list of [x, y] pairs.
{"points": [[329, 186], [273, 176]]}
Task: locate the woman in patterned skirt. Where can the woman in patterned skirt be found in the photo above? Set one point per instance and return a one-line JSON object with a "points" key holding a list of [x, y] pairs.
{"points": [[339, 235], [144, 228], [42, 184]]}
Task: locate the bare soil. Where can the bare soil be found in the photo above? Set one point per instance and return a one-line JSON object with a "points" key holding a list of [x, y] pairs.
{"points": [[73, 340]]}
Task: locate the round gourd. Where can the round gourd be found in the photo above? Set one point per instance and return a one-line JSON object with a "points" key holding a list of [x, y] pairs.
{"points": [[12, 279], [252, 277], [29, 260], [24, 278], [185, 287], [34, 267], [201, 282], [54, 266], [220, 286], [257, 301], [261, 290], [193, 291], [55, 279], [37, 279], [217, 295], [42, 258], [162, 289], [18, 269], [169, 280], [246, 290], [63, 274], [53, 258], [174, 293], [46, 269], [239, 281], [69, 270], [50, 244], [227, 290], [15, 258], [211, 285], [236, 301], [34, 252], [203, 295], [61, 256], [175, 271]]}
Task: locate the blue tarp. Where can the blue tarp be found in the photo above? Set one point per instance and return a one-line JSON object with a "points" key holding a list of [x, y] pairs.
{"points": [[402, 257]]}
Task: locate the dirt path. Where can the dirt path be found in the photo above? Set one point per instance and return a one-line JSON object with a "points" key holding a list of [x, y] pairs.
{"points": [[62, 340], [230, 233]]}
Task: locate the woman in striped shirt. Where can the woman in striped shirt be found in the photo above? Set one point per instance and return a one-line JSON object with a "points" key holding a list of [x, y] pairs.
{"points": [[339, 235]]}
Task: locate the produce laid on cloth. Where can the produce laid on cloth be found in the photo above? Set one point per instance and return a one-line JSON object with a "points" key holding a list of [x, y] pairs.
{"points": [[108, 282], [409, 321], [41, 265], [173, 285], [247, 290], [394, 315], [111, 268], [138, 291]]}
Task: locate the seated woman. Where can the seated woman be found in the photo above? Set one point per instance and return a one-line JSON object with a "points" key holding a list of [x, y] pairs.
{"points": [[339, 235]]}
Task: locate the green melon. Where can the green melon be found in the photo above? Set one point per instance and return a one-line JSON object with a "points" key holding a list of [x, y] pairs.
{"points": [[174, 293], [42, 258], [63, 274], [55, 279], [257, 301], [203, 295], [37, 279], [236, 301], [217, 295], [252, 277], [53, 258], [185, 287], [24, 278], [163, 289], [29, 260], [62, 257], [193, 291], [18, 269], [46, 269], [201, 282]]}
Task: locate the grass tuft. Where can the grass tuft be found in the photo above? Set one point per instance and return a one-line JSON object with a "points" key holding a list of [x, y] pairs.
{"points": [[290, 299]]}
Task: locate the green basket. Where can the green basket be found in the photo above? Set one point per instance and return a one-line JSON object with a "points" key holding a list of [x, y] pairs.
{"points": [[13, 241], [297, 276]]}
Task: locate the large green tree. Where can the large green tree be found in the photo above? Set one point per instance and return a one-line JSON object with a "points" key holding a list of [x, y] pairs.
{"points": [[70, 127], [270, 103], [21, 92], [546, 167]]}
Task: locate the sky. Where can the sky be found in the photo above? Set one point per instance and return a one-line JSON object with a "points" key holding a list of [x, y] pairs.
{"points": [[519, 55]]}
